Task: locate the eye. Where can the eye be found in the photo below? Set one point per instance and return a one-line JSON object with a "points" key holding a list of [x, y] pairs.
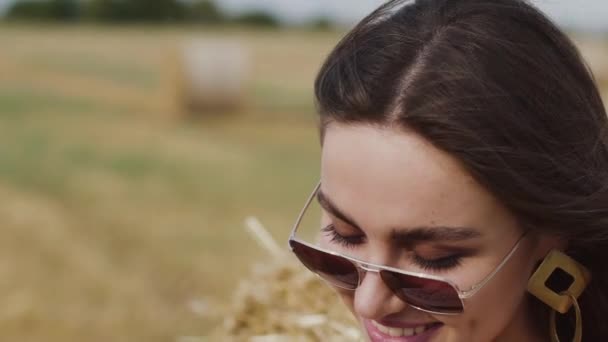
{"points": [[438, 264], [349, 241]]}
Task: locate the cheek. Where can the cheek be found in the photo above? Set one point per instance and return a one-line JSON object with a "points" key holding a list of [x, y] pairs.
{"points": [[490, 312]]}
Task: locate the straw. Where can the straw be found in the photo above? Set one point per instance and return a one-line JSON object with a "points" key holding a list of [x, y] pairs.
{"points": [[255, 228]]}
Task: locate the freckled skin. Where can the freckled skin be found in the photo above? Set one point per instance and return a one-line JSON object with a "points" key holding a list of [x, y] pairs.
{"points": [[389, 177]]}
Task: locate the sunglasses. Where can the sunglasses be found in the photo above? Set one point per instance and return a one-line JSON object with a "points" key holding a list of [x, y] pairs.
{"points": [[424, 292]]}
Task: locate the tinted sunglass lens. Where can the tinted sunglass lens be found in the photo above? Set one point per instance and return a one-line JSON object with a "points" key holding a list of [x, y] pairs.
{"points": [[427, 294], [334, 269]]}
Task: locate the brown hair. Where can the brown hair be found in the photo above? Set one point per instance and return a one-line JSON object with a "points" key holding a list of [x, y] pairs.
{"points": [[497, 85]]}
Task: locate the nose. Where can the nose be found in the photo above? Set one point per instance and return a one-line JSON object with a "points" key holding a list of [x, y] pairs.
{"points": [[373, 299]]}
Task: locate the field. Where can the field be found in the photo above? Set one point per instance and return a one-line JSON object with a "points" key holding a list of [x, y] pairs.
{"points": [[120, 221]]}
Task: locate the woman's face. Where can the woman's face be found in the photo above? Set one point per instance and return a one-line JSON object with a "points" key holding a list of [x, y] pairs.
{"points": [[391, 182]]}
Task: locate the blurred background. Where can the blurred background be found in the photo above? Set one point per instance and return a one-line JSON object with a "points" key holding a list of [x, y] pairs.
{"points": [[137, 135]]}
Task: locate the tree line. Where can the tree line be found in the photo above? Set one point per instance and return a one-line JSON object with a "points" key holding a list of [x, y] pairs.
{"points": [[125, 11]]}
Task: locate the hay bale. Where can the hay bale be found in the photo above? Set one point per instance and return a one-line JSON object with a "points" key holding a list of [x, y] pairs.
{"points": [[207, 77], [282, 301]]}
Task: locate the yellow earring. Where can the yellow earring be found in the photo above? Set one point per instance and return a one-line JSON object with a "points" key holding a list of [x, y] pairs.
{"points": [[558, 282]]}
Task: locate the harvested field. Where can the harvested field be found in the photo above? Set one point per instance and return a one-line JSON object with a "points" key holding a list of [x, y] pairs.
{"points": [[119, 222]]}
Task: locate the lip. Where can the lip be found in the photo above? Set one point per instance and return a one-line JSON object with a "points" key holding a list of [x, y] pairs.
{"points": [[376, 335]]}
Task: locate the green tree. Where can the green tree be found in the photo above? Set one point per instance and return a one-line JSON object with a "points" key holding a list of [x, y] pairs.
{"points": [[30, 9], [257, 18], [65, 10], [136, 10], [58, 10], [205, 11]]}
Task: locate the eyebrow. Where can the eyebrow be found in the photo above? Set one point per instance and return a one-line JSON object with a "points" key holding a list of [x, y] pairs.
{"points": [[407, 236]]}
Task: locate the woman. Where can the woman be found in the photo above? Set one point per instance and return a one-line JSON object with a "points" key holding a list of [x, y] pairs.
{"points": [[464, 177]]}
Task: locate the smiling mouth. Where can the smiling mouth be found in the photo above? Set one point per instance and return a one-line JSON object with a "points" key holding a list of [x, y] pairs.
{"points": [[419, 333]]}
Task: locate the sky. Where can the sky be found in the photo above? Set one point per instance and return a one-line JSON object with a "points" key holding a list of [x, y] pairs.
{"points": [[591, 15], [580, 14]]}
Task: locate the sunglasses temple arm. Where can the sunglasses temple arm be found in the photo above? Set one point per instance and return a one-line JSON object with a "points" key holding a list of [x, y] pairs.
{"points": [[301, 215], [473, 290]]}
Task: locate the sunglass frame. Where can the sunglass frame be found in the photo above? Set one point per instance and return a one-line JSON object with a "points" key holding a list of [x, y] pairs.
{"points": [[363, 266]]}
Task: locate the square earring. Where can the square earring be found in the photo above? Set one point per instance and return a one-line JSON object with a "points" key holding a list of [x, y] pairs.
{"points": [[558, 274]]}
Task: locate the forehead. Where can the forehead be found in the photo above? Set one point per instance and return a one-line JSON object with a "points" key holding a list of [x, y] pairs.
{"points": [[388, 177]]}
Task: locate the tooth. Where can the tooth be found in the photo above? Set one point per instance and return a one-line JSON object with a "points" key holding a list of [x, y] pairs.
{"points": [[408, 331], [395, 332], [420, 329], [382, 328], [377, 325]]}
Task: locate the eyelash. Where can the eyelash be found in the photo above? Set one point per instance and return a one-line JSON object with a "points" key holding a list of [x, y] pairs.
{"points": [[440, 264], [444, 263], [345, 241]]}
